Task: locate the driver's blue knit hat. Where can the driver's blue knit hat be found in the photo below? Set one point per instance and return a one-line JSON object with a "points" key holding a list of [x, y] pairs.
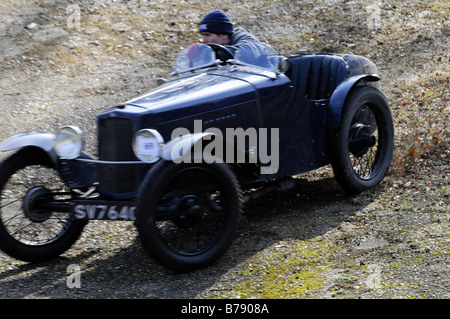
{"points": [[216, 22]]}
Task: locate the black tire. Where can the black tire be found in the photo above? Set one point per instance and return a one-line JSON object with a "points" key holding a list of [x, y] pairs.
{"points": [[187, 214], [362, 146], [29, 234]]}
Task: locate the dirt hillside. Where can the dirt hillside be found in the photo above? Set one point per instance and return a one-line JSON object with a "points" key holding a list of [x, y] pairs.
{"points": [[62, 62]]}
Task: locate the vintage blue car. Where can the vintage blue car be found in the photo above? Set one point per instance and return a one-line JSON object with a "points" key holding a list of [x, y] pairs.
{"points": [[178, 160]]}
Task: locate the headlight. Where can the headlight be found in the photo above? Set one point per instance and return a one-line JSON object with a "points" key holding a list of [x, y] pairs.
{"points": [[69, 142], [147, 145]]}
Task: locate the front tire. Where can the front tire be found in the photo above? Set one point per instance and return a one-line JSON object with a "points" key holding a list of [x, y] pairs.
{"points": [[362, 146], [187, 214], [27, 233]]}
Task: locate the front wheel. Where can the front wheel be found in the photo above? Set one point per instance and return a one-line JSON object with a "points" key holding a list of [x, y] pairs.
{"points": [[362, 146], [187, 214], [28, 233]]}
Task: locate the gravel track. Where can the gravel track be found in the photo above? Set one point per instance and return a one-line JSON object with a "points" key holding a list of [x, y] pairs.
{"points": [[311, 241]]}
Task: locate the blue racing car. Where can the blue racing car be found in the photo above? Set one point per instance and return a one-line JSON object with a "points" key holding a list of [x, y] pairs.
{"points": [[178, 159]]}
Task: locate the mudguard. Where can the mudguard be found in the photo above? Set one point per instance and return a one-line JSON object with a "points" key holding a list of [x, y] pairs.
{"points": [[191, 147], [75, 174], [41, 140], [339, 96], [178, 149]]}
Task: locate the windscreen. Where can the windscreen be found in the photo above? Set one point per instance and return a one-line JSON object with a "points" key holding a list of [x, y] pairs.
{"points": [[199, 56]]}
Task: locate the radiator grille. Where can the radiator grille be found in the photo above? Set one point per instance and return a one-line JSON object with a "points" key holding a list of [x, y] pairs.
{"points": [[115, 136]]}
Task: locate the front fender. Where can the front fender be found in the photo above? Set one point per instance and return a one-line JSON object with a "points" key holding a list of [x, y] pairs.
{"points": [[75, 174], [41, 140], [181, 148], [198, 147], [339, 96]]}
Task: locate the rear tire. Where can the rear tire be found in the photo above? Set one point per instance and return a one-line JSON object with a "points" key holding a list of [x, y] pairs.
{"points": [[362, 146]]}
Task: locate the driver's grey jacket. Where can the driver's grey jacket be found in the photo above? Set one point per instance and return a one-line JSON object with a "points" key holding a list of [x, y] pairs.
{"points": [[239, 37]]}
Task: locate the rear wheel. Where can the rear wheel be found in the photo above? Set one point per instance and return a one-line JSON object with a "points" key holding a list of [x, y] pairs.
{"points": [[187, 214], [26, 232], [362, 146]]}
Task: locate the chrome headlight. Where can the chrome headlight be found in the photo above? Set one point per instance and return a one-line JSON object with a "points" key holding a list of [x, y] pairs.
{"points": [[69, 142], [147, 145]]}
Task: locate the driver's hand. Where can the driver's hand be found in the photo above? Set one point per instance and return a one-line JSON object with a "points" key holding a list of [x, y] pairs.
{"points": [[222, 56]]}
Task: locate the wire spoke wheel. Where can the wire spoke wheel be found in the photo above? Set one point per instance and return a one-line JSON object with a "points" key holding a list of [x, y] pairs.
{"points": [[363, 142], [28, 232], [362, 146], [191, 212], [187, 214], [21, 220]]}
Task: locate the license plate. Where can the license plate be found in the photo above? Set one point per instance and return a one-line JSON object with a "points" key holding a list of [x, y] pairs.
{"points": [[104, 210]]}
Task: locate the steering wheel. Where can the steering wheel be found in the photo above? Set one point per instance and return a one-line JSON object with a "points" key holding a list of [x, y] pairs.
{"points": [[222, 53]]}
